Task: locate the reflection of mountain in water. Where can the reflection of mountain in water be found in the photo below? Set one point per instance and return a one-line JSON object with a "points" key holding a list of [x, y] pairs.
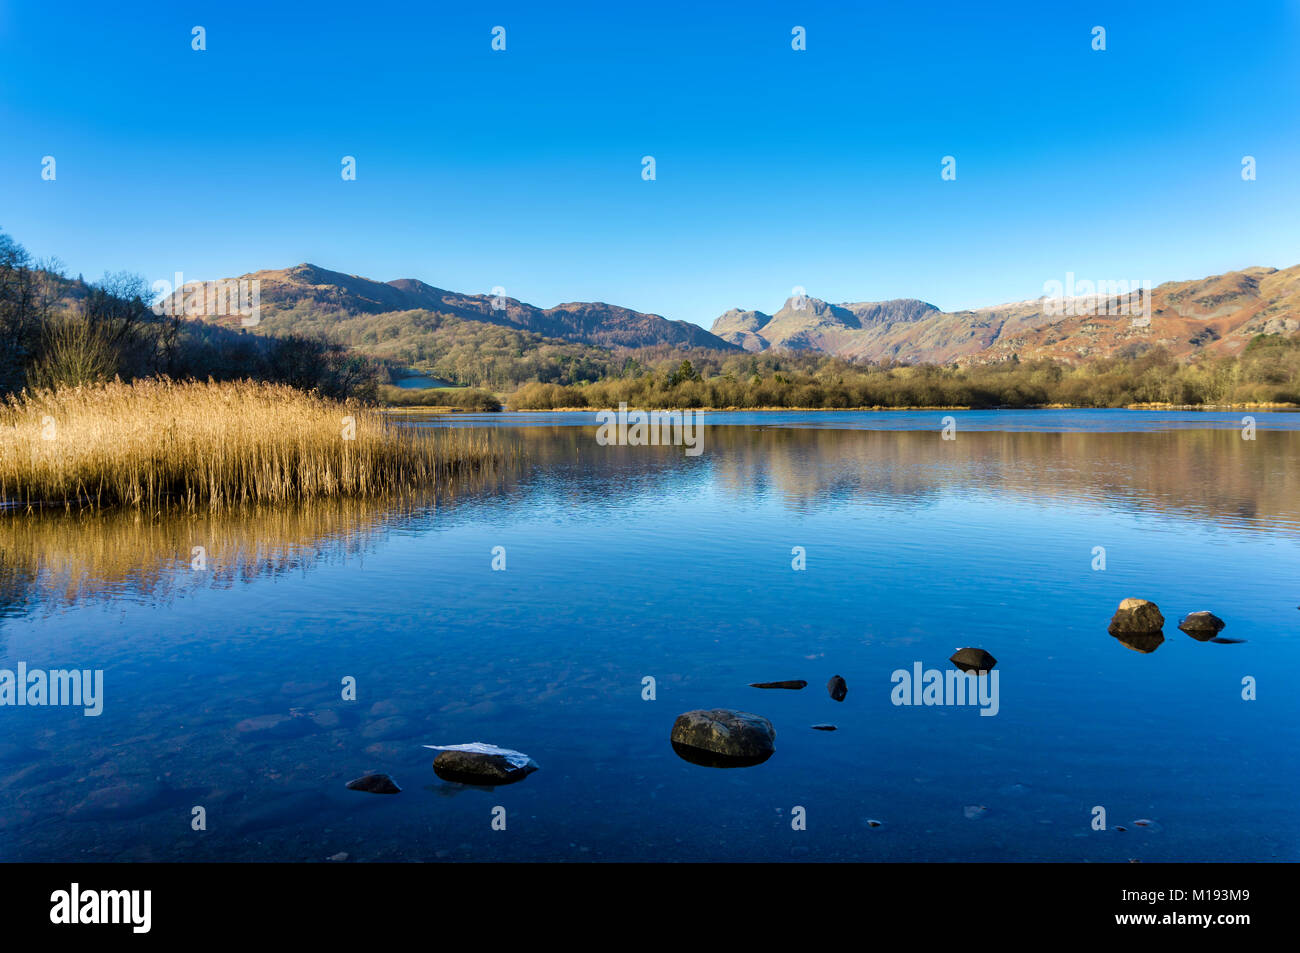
{"points": [[1210, 475]]}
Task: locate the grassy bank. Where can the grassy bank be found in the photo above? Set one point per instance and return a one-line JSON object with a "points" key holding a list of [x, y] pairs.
{"points": [[158, 444]]}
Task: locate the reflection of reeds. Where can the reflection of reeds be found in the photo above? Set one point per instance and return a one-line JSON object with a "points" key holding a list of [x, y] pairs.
{"points": [[160, 444], [66, 558]]}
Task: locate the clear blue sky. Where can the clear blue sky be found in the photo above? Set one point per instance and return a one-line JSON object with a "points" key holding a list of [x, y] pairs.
{"points": [[775, 168]]}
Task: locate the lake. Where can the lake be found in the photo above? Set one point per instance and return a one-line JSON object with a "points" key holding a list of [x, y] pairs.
{"points": [[224, 670]]}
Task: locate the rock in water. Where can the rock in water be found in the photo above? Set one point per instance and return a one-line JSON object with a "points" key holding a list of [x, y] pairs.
{"points": [[479, 763], [732, 738], [973, 660], [1136, 617], [824, 728], [375, 784], [837, 687], [794, 683], [1201, 626]]}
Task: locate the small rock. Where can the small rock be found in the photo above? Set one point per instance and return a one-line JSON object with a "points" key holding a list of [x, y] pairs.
{"points": [[792, 684], [340, 856], [479, 763], [973, 811], [824, 728], [721, 731], [872, 822], [375, 784], [1223, 640], [325, 719], [122, 801], [837, 687], [1136, 617], [973, 660], [1202, 625]]}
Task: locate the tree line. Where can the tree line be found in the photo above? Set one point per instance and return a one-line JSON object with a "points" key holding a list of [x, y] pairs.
{"points": [[1268, 371], [64, 332]]}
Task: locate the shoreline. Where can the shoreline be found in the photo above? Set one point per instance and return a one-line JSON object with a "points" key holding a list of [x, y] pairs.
{"points": [[832, 410]]}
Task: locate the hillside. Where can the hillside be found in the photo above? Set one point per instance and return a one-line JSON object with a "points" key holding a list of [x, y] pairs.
{"points": [[310, 288], [500, 343], [1216, 315]]}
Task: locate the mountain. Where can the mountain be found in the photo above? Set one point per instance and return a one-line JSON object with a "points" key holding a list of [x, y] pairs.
{"points": [[311, 288], [1215, 315]]}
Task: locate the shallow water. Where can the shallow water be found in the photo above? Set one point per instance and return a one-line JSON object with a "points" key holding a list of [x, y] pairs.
{"points": [[223, 685]]}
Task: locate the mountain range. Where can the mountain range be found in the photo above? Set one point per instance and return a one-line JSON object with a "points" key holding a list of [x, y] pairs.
{"points": [[594, 323], [1215, 315]]}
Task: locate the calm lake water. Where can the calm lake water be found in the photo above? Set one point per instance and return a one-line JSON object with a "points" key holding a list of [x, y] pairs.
{"points": [[222, 685]]}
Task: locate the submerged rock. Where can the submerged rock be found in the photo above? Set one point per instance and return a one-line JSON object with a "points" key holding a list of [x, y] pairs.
{"points": [[721, 737], [1201, 626], [1136, 616], [837, 687], [824, 728], [375, 784], [1223, 640], [795, 683], [479, 763], [973, 660], [121, 801]]}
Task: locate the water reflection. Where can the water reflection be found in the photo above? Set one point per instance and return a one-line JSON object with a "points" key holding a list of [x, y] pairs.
{"points": [[223, 686], [1208, 475], [1144, 642]]}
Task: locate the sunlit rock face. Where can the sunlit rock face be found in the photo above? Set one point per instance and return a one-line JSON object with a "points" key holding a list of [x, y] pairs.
{"points": [[1136, 617]]}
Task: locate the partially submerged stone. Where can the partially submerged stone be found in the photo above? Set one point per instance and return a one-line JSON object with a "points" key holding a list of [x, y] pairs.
{"points": [[721, 737], [375, 784], [837, 688], [1202, 625], [1136, 617], [824, 728], [479, 763], [794, 684], [973, 660]]}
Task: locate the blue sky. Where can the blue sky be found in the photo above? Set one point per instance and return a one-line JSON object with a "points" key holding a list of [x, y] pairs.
{"points": [[775, 168]]}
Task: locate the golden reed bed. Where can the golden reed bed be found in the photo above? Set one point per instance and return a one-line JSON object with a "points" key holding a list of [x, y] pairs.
{"points": [[159, 444]]}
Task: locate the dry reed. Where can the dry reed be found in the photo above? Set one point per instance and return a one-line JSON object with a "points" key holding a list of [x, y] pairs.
{"points": [[159, 444]]}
